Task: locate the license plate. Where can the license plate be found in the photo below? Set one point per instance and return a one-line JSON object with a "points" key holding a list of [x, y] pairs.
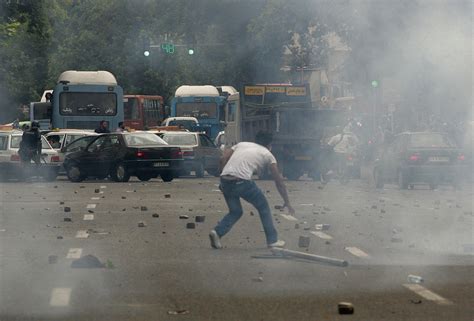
{"points": [[161, 164], [303, 158], [439, 159]]}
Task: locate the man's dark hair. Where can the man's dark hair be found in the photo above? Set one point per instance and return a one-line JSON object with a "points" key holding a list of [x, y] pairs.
{"points": [[263, 138], [102, 122], [120, 124]]}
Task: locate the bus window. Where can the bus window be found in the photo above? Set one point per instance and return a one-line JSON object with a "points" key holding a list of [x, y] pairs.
{"points": [[131, 110], [231, 111], [198, 110], [222, 112], [87, 104]]}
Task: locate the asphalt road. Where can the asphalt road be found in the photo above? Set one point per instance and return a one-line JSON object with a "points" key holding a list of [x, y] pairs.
{"points": [[153, 271]]}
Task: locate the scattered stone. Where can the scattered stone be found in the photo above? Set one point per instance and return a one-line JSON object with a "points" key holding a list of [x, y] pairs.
{"points": [[123, 197], [67, 219], [278, 207], [97, 190], [178, 312], [190, 225], [55, 186], [183, 217], [327, 242], [258, 279], [322, 227], [144, 208], [382, 211], [90, 211], [297, 226], [252, 213], [124, 209], [190, 209], [320, 187], [59, 237], [52, 259], [141, 224], [200, 218], [167, 195], [67, 209], [155, 215], [345, 308], [415, 279], [82, 186], [304, 241], [87, 262], [416, 301]]}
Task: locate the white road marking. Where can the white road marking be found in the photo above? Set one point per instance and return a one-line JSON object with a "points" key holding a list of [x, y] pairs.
{"points": [[356, 251], [82, 234], [427, 294], [103, 186], [322, 235], [216, 190], [60, 297], [91, 206], [306, 204], [101, 192], [95, 198], [74, 253], [88, 217], [289, 217]]}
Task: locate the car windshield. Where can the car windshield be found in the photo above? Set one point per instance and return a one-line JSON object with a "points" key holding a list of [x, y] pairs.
{"points": [[180, 139], [16, 139], [430, 140], [143, 139]]}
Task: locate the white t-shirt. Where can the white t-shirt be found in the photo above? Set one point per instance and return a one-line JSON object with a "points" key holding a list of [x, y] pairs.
{"points": [[345, 145], [247, 159]]}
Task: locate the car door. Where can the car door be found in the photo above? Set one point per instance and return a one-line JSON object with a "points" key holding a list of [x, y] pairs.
{"points": [[391, 160], [109, 153], [92, 159], [210, 152]]}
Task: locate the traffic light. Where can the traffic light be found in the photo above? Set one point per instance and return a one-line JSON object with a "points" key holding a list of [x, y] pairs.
{"points": [[375, 83], [168, 48], [146, 53], [191, 51]]}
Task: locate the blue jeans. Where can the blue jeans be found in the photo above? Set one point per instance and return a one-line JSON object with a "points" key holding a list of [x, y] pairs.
{"points": [[249, 191]]}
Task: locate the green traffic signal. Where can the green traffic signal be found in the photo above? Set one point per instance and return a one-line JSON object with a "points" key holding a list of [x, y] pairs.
{"points": [[375, 83], [190, 51]]}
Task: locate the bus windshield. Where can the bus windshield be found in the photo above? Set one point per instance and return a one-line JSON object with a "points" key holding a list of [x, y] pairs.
{"points": [[130, 108], [87, 104], [198, 110]]}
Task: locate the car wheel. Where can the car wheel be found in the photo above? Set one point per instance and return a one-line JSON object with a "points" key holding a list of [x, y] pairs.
{"points": [[120, 173], [144, 177], [200, 170], [74, 173], [167, 176], [379, 183], [402, 180]]}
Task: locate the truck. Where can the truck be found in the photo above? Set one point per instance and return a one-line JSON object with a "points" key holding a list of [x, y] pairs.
{"points": [[288, 113], [205, 103]]}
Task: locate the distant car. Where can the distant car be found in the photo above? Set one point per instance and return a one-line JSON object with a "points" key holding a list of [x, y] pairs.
{"points": [[189, 123], [122, 155], [61, 139], [419, 157], [10, 164], [199, 152]]}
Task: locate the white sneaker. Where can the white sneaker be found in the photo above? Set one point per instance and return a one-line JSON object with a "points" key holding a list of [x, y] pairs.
{"points": [[215, 240], [279, 243]]}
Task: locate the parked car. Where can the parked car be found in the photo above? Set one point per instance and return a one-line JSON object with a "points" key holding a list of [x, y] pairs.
{"points": [[122, 155], [199, 152], [10, 164], [420, 157], [60, 139]]}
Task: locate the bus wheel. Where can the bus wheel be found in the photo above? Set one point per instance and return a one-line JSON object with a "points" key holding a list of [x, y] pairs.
{"points": [[144, 177], [120, 173]]}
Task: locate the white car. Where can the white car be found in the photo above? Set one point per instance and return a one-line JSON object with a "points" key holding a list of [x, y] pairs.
{"points": [[189, 123], [62, 138], [10, 164]]}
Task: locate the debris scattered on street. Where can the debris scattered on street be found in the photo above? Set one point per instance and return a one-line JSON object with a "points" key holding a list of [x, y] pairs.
{"points": [[304, 241], [200, 218], [345, 308], [178, 312], [59, 237], [312, 257], [297, 226], [123, 197], [322, 227], [52, 259], [258, 279], [67, 209], [87, 262], [155, 215], [91, 211], [252, 213], [167, 195], [415, 279], [183, 217], [416, 301], [61, 203], [141, 224], [190, 225], [144, 208], [97, 190], [67, 219]]}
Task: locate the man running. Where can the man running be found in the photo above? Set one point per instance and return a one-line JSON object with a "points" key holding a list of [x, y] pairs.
{"points": [[239, 164]]}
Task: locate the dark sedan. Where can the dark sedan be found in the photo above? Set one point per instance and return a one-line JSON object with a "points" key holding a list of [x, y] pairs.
{"points": [[199, 152], [122, 155], [419, 157]]}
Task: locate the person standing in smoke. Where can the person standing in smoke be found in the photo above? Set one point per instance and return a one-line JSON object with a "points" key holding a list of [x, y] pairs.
{"points": [[30, 145], [239, 164]]}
